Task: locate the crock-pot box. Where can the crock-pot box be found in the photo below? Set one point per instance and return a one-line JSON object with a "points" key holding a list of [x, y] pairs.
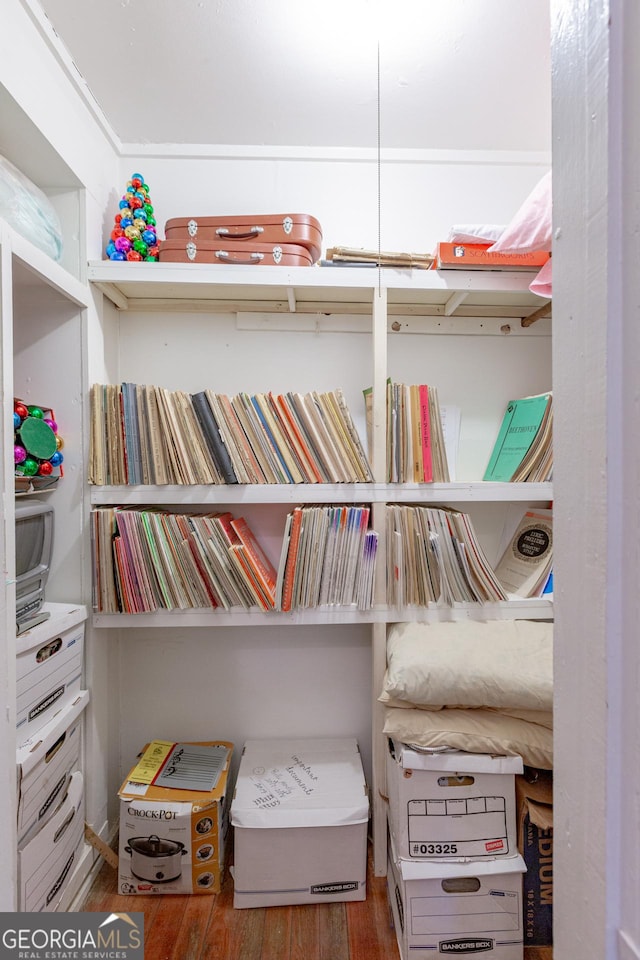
{"points": [[46, 862], [216, 251], [173, 841], [44, 766], [451, 806], [49, 664], [456, 909], [299, 813], [236, 231]]}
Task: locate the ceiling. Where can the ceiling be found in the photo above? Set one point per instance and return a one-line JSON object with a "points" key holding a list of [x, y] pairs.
{"points": [[453, 74]]}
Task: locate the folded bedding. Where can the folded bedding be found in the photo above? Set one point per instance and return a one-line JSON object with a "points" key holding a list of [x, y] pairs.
{"points": [[473, 731], [503, 664]]}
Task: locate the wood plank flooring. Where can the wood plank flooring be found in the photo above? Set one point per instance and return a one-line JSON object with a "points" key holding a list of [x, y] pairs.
{"points": [[208, 927]]}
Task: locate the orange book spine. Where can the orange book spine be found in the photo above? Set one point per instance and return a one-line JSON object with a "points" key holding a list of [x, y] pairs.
{"points": [[290, 569]]}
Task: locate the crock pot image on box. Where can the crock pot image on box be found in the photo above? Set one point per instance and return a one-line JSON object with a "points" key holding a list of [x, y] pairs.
{"points": [[205, 852], [155, 859], [204, 826]]}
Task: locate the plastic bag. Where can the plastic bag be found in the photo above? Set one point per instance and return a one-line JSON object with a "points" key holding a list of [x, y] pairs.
{"points": [[28, 210]]}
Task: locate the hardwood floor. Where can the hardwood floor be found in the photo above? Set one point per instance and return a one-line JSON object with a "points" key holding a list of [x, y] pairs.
{"points": [[208, 927]]}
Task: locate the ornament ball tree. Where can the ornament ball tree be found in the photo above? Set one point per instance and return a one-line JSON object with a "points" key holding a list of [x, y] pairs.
{"points": [[134, 232]]}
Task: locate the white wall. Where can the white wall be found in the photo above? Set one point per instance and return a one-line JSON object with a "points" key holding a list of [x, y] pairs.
{"points": [[422, 193]]}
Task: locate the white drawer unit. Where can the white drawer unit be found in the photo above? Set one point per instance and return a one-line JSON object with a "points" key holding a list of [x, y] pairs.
{"points": [[49, 667], [46, 863], [45, 765]]}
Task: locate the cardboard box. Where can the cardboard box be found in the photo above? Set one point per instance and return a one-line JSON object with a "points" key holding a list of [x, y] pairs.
{"points": [[46, 862], [173, 841], [45, 765], [300, 814], [534, 803], [457, 908], [49, 664], [451, 805]]}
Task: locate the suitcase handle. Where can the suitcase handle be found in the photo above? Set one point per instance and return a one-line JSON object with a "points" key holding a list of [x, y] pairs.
{"points": [[229, 258], [248, 234]]}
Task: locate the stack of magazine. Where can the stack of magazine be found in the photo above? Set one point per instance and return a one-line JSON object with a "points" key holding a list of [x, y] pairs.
{"points": [[148, 559], [523, 451], [434, 557], [328, 558], [144, 434], [416, 451]]}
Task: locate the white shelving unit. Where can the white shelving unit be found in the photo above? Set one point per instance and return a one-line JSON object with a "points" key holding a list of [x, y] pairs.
{"points": [[383, 305], [40, 299]]}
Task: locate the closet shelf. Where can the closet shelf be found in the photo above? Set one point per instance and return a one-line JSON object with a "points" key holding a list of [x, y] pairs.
{"points": [[530, 609], [33, 269], [325, 290], [427, 493]]}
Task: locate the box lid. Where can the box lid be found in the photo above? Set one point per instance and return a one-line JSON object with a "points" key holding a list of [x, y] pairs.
{"points": [[300, 783], [457, 762], [46, 738], [445, 869], [63, 617], [131, 789]]}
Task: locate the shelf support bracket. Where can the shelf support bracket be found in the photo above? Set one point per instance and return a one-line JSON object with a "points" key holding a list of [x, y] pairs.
{"points": [[291, 297], [539, 314], [454, 302], [112, 293]]}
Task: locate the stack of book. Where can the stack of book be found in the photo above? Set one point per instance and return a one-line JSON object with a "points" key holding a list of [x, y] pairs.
{"points": [[523, 450], [525, 566], [434, 557], [144, 434], [149, 559], [416, 450], [328, 558], [477, 256]]}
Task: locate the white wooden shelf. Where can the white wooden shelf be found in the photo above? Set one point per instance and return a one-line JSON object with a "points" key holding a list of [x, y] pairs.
{"points": [[325, 290], [472, 492], [33, 268], [531, 609]]}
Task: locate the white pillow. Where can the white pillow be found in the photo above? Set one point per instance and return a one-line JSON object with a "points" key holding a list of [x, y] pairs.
{"points": [[491, 663], [542, 717], [530, 228], [474, 731], [475, 233]]}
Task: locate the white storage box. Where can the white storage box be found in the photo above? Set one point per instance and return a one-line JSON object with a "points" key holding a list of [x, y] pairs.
{"points": [[47, 862], [300, 814], [451, 805], [49, 663], [45, 764], [457, 908]]}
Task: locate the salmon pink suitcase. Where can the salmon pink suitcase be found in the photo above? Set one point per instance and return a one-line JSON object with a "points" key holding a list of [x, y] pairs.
{"points": [[274, 228], [214, 251]]}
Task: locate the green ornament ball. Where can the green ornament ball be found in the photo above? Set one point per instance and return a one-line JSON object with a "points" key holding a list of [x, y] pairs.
{"points": [[29, 467]]}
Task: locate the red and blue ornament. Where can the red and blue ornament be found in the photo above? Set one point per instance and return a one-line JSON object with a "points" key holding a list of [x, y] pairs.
{"points": [[37, 445]]}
